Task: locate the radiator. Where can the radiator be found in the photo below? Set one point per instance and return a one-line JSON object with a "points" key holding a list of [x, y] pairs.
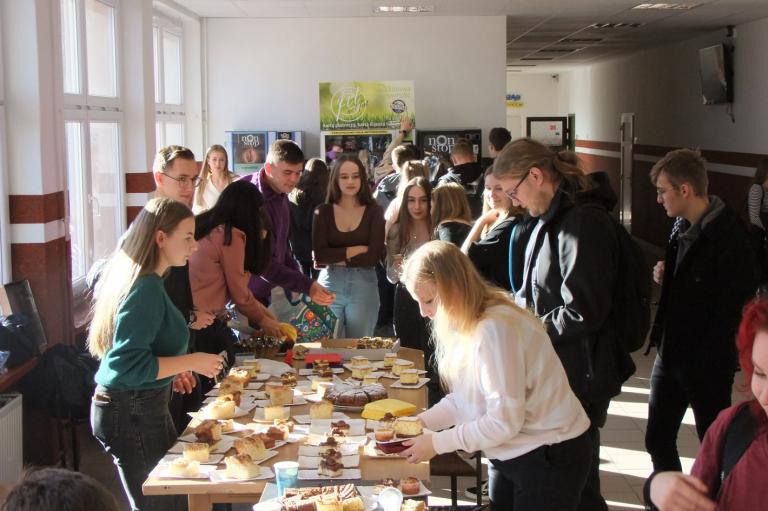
{"points": [[10, 438]]}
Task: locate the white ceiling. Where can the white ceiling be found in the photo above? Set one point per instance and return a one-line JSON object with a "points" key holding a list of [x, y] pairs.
{"points": [[538, 31]]}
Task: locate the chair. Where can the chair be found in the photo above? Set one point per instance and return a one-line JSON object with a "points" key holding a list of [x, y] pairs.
{"points": [[454, 466]]}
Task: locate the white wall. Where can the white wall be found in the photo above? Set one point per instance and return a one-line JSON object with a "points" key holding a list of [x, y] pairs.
{"points": [[539, 95], [662, 87], [264, 74]]}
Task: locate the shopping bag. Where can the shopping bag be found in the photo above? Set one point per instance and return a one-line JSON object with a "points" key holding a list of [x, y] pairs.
{"points": [[314, 322], [283, 306]]}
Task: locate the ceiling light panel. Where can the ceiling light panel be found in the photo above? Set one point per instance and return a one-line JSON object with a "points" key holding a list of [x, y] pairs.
{"points": [[400, 9], [666, 7]]}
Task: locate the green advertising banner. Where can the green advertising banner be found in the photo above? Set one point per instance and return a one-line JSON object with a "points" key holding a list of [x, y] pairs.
{"points": [[365, 105]]}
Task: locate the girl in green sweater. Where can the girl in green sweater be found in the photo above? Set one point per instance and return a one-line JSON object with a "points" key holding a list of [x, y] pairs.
{"points": [[141, 339]]}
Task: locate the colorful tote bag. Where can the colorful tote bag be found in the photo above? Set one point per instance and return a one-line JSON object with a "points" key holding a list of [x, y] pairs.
{"points": [[313, 322]]}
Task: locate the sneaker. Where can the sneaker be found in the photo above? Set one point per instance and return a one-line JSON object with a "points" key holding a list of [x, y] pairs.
{"points": [[471, 492]]}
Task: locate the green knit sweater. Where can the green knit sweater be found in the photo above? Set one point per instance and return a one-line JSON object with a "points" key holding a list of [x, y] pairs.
{"points": [[147, 326]]}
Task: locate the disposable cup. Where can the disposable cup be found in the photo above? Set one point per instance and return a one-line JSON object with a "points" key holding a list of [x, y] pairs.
{"points": [[286, 475]]}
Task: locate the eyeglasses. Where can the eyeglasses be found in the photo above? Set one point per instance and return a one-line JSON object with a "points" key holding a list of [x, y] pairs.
{"points": [[184, 180], [661, 191], [513, 192]]}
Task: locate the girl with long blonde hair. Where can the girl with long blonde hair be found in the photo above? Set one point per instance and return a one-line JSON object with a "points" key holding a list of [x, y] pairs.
{"points": [[508, 394], [141, 339], [214, 177]]}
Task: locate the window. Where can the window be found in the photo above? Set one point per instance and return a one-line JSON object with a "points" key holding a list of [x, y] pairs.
{"points": [[169, 93], [93, 113], [100, 46]]}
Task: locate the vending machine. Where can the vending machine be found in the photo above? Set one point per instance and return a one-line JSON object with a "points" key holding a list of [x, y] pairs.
{"points": [[248, 149], [368, 145]]}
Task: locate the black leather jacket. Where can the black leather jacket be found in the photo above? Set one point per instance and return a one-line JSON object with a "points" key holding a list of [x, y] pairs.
{"points": [[571, 286]]}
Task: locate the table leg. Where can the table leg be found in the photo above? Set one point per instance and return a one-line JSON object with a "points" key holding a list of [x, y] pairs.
{"points": [[199, 502]]}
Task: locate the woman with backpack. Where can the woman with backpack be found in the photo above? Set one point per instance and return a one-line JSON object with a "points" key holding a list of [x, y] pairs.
{"points": [[735, 445]]}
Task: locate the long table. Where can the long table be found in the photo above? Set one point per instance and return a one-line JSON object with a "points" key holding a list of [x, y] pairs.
{"points": [[202, 494]]}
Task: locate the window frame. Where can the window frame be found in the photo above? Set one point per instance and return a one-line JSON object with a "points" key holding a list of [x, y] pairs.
{"points": [[167, 112], [85, 109], [5, 224]]}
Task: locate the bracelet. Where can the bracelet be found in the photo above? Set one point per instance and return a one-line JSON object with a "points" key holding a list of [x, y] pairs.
{"points": [[192, 318]]}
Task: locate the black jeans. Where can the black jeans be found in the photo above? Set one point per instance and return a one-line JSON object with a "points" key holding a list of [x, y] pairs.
{"points": [[591, 497], [386, 296], [135, 427], [182, 404], [672, 390], [414, 331], [549, 478]]}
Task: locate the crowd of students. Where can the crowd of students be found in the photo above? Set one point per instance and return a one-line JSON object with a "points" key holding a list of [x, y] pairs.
{"points": [[510, 292]]}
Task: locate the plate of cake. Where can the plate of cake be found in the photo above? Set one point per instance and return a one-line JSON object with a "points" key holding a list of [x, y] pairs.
{"points": [[182, 468]]}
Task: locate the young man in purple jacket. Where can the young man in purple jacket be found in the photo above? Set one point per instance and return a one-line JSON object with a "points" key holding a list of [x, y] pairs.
{"points": [[281, 172]]}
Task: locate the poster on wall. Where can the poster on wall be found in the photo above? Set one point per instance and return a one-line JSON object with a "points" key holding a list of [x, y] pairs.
{"points": [[365, 105], [439, 143], [295, 136], [550, 131], [247, 149]]}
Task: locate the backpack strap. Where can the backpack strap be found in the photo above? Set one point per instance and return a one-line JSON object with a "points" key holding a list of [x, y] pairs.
{"points": [[738, 437], [511, 257]]}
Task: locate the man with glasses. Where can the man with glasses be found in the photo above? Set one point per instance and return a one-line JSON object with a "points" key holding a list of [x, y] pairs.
{"points": [[569, 281], [176, 176], [708, 274], [176, 173]]}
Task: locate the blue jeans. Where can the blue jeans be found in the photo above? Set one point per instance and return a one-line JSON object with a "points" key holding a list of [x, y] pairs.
{"points": [[136, 428], [357, 299]]}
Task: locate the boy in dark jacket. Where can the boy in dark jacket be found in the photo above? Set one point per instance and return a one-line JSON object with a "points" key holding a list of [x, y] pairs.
{"points": [[708, 274]]}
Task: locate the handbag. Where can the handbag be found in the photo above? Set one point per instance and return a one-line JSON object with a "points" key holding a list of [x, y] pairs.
{"points": [[313, 322]]}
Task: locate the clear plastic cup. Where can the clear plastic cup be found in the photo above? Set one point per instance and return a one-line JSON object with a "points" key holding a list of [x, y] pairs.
{"points": [[286, 475]]}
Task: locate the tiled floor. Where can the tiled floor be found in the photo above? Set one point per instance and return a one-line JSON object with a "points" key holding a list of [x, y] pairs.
{"points": [[625, 464]]}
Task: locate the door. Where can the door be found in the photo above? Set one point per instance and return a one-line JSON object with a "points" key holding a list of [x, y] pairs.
{"points": [[627, 137]]}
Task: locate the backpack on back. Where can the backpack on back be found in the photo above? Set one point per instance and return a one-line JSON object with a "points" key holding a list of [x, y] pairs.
{"points": [[631, 312], [632, 302]]}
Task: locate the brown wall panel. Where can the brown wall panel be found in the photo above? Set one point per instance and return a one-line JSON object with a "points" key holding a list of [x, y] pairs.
{"points": [[46, 266], [597, 144], [649, 220], [595, 163], [141, 182], [132, 213], [36, 209], [723, 157]]}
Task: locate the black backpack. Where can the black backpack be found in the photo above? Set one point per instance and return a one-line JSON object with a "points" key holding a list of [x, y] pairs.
{"points": [[631, 314], [16, 338], [62, 383], [632, 302]]}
